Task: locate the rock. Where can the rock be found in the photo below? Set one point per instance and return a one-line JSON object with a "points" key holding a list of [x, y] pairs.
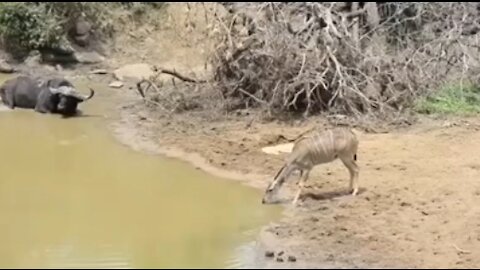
{"points": [[33, 59], [63, 50], [82, 40], [116, 84], [99, 71], [404, 204], [81, 32], [280, 253], [279, 259], [51, 57], [82, 26], [58, 68], [269, 254], [278, 149], [134, 72], [89, 57], [5, 67], [292, 258], [49, 68]]}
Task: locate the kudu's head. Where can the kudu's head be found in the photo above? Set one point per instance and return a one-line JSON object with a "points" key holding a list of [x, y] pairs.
{"points": [[275, 185]]}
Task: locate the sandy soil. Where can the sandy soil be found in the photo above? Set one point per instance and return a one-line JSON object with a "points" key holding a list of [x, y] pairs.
{"points": [[416, 208]]}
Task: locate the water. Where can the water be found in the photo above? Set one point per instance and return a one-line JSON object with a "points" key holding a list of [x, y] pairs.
{"points": [[71, 196]]}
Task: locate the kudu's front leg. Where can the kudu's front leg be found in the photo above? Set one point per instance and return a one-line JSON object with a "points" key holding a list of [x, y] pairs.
{"points": [[301, 184]]}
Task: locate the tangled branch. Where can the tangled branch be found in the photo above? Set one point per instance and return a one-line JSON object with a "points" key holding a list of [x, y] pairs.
{"points": [[349, 58]]}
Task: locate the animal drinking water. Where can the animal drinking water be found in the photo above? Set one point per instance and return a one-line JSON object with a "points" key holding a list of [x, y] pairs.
{"points": [[318, 148]]}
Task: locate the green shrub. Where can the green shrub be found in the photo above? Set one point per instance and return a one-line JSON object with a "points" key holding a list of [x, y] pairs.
{"points": [[453, 99], [97, 13], [28, 26]]}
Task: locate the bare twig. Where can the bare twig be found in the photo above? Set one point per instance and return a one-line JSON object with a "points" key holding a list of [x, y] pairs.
{"points": [[176, 74], [461, 250]]}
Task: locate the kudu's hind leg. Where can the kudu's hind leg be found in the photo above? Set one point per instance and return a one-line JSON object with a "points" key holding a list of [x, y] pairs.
{"points": [[353, 169]]}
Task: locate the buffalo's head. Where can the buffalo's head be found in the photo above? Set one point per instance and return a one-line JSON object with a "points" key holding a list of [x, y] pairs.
{"points": [[68, 96]]}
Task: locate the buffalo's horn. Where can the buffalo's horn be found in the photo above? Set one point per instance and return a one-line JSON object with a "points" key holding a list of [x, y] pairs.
{"points": [[92, 93], [70, 91]]}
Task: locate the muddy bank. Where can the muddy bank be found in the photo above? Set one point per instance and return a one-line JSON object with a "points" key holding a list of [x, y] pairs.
{"points": [[412, 211]]}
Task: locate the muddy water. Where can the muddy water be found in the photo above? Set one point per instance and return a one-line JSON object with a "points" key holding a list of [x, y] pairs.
{"points": [[71, 196]]}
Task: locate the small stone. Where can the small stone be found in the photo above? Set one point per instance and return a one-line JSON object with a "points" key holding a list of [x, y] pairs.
{"points": [[99, 71], [134, 72], [279, 259], [292, 258], [5, 67], [89, 57], [116, 84], [280, 253], [269, 254]]}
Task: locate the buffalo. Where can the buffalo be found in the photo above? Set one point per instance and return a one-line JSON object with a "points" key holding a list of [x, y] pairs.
{"points": [[55, 95]]}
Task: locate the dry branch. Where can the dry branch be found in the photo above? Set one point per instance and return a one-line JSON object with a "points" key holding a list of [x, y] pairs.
{"points": [[343, 58], [178, 75], [357, 59]]}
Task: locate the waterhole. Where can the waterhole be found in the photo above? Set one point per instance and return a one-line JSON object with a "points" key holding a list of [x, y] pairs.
{"points": [[71, 196]]}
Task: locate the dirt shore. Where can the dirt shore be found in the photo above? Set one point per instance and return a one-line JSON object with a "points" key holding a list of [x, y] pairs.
{"points": [[416, 208]]}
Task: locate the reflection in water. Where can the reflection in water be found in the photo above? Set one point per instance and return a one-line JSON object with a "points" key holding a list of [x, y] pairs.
{"points": [[70, 196]]}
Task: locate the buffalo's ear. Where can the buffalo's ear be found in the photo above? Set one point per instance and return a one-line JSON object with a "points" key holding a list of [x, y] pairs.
{"points": [[43, 81]]}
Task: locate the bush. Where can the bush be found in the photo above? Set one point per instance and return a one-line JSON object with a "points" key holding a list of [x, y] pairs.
{"points": [[97, 13], [25, 26]]}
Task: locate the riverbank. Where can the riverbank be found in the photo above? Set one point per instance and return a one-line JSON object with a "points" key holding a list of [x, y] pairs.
{"points": [[410, 211]]}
